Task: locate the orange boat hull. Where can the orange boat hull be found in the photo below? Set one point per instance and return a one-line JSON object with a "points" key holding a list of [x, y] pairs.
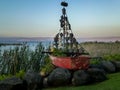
{"points": [[72, 63]]}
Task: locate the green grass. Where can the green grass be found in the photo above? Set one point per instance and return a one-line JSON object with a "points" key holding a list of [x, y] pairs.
{"points": [[113, 83]]}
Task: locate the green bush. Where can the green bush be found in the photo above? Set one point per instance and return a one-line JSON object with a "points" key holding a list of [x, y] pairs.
{"points": [[20, 74], [48, 66], [95, 61], [2, 77], [112, 57], [58, 52]]}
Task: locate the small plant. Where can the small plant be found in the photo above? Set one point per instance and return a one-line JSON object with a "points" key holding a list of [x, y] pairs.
{"points": [[20, 74], [112, 57], [2, 77], [48, 66], [95, 61], [58, 52]]}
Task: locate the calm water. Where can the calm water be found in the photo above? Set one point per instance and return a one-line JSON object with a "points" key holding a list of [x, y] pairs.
{"points": [[33, 42]]}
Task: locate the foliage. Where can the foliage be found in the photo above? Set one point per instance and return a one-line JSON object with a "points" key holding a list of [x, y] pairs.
{"points": [[58, 52], [106, 50], [112, 57], [48, 66], [95, 60], [21, 58], [37, 58], [20, 74], [2, 77]]}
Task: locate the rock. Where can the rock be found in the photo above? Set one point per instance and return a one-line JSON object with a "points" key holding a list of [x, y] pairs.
{"points": [[117, 65], [33, 80], [99, 66], [12, 83], [58, 77], [45, 82], [108, 66], [96, 75], [80, 77]]}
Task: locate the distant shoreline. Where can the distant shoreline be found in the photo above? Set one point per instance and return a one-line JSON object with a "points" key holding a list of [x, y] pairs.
{"points": [[5, 44], [40, 39]]}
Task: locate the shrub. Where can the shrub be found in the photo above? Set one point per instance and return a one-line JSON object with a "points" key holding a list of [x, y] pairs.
{"points": [[2, 77], [20, 74], [48, 66], [112, 57], [58, 52]]}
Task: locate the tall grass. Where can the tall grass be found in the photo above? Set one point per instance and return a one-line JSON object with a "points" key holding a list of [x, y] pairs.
{"points": [[21, 58], [102, 48]]}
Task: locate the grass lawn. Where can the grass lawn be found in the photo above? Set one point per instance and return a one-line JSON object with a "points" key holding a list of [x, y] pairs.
{"points": [[113, 83]]}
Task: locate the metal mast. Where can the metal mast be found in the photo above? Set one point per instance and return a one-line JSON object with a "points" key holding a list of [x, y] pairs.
{"points": [[65, 38], [64, 22]]}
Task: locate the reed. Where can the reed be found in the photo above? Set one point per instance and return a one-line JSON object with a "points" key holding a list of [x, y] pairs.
{"points": [[21, 58], [101, 49]]}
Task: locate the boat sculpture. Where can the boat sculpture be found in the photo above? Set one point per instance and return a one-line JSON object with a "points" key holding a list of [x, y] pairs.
{"points": [[75, 57]]}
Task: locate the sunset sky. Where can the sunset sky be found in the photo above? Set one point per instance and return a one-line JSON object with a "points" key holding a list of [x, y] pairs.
{"points": [[40, 18]]}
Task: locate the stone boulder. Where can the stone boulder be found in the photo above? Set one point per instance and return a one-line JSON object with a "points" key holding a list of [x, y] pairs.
{"points": [[80, 77], [97, 75], [108, 66], [45, 82], [12, 83], [33, 80], [117, 65], [99, 66], [59, 77]]}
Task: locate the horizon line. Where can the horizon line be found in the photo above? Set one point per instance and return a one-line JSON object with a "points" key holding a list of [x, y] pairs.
{"points": [[52, 37]]}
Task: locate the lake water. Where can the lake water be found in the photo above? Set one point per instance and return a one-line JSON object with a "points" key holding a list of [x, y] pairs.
{"points": [[33, 42], [32, 45]]}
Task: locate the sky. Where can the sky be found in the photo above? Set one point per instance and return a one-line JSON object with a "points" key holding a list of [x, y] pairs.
{"points": [[40, 18]]}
